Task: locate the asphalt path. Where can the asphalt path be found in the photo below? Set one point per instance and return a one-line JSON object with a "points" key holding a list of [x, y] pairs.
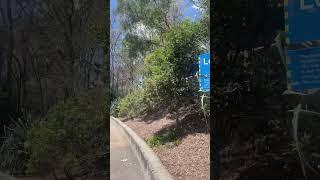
{"points": [[124, 164]]}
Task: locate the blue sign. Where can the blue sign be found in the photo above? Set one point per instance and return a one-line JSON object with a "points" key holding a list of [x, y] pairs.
{"points": [[302, 20], [204, 72], [304, 68]]}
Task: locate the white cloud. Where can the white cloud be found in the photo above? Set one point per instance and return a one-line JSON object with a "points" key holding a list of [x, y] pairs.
{"points": [[195, 7]]}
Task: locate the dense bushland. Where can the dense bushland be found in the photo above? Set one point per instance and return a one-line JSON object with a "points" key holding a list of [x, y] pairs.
{"points": [[71, 138], [51, 54], [166, 70]]}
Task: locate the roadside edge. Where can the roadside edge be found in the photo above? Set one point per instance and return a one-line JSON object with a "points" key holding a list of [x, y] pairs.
{"points": [[152, 165]]}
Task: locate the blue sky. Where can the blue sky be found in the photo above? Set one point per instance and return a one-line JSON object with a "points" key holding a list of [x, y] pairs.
{"points": [[189, 11]]}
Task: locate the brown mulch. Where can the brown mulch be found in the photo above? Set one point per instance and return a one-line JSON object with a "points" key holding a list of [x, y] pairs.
{"points": [[190, 160], [145, 129]]}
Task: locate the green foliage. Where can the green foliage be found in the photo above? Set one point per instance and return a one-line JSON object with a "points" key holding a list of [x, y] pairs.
{"points": [[167, 67], [166, 138], [155, 15], [158, 71], [132, 105], [152, 13], [165, 70], [133, 45], [205, 5], [71, 135]]}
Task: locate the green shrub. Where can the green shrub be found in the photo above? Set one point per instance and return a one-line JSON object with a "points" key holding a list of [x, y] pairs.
{"points": [[132, 105], [166, 68], [169, 137], [71, 136]]}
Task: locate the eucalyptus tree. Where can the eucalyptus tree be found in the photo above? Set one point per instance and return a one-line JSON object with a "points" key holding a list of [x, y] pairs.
{"points": [[142, 23]]}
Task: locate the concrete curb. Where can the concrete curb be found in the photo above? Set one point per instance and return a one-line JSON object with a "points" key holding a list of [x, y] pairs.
{"points": [[152, 165]]}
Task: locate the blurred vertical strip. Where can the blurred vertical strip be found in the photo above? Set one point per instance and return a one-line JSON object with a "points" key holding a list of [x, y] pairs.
{"points": [[107, 71]]}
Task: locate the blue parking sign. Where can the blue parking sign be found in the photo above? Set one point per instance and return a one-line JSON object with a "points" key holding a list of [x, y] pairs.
{"points": [[204, 72], [302, 20]]}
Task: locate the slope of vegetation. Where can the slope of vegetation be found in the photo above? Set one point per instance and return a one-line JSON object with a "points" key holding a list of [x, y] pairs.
{"points": [[153, 57], [53, 83], [71, 139], [165, 71], [159, 59]]}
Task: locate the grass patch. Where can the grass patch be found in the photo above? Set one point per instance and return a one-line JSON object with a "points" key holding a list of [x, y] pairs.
{"points": [[169, 138]]}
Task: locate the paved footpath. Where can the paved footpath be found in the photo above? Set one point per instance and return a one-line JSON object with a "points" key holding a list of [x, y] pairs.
{"points": [[124, 164]]}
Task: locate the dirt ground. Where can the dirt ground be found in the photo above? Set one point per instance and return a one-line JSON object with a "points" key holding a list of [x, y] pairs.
{"points": [[190, 160]]}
